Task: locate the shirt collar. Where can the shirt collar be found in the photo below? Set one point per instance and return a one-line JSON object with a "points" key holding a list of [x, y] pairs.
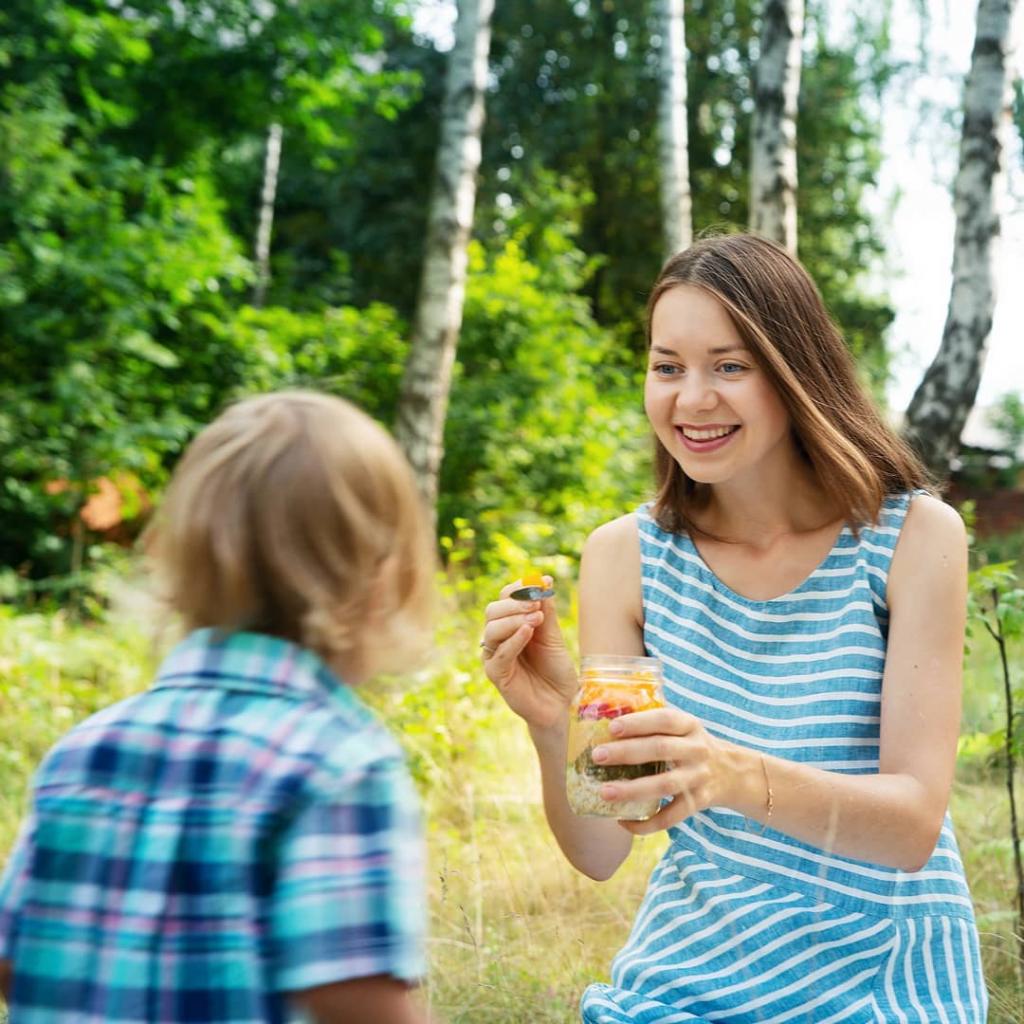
{"points": [[254, 662]]}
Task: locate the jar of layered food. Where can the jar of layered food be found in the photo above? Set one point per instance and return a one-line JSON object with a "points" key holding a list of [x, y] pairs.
{"points": [[610, 686]]}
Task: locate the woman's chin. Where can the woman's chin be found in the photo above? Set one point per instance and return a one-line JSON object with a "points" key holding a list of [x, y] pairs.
{"points": [[705, 474]]}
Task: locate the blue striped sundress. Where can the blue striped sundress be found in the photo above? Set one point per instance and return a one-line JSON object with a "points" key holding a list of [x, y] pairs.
{"points": [[741, 923]]}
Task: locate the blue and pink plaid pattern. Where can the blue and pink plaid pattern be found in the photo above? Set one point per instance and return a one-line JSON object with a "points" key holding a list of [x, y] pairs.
{"points": [[244, 828]]}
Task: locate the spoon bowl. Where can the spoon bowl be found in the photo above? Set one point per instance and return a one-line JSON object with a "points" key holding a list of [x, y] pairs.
{"points": [[532, 593]]}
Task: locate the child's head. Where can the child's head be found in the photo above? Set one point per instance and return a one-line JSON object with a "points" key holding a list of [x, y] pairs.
{"points": [[295, 514], [779, 314]]}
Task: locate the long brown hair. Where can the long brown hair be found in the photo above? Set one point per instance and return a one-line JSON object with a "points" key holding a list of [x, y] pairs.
{"points": [[779, 313]]}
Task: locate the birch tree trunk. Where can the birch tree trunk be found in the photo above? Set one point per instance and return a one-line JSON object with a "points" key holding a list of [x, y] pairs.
{"points": [[676, 212], [423, 403], [940, 406], [773, 145], [268, 196]]}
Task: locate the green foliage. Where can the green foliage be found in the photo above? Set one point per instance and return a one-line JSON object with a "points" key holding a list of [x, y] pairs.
{"points": [[995, 626], [109, 265], [996, 601], [121, 277], [577, 94], [545, 435], [54, 673], [356, 353], [353, 232], [839, 159], [1008, 419], [445, 711]]}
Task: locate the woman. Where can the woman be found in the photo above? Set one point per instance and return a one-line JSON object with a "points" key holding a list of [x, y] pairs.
{"points": [[805, 595]]}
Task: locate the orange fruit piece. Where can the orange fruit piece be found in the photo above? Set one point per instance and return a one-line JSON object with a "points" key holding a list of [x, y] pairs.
{"points": [[533, 579]]}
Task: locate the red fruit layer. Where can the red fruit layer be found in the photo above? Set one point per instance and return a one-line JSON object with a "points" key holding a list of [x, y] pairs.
{"points": [[592, 712]]}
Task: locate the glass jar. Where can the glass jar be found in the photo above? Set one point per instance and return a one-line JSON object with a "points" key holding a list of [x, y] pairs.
{"points": [[611, 685]]}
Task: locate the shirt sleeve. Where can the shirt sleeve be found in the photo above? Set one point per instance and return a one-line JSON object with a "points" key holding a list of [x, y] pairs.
{"points": [[12, 888], [349, 899]]}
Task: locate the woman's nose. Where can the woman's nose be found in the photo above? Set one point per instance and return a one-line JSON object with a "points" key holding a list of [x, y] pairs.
{"points": [[697, 393]]}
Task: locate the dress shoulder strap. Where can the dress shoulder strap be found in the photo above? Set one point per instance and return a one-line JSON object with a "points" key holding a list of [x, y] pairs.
{"points": [[877, 542]]}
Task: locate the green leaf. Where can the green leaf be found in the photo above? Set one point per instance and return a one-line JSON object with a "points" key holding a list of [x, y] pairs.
{"points": [[144, 347]]}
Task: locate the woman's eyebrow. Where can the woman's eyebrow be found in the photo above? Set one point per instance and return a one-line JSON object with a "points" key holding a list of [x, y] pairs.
{"points": [[718, 351]]}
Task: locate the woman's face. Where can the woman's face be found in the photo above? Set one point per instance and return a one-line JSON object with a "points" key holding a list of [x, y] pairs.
{"points": [[711, 405]]}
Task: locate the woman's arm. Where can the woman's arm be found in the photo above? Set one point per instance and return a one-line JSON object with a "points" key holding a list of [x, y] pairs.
{"points": [[527, 661], [610, 622], [891, 818]]}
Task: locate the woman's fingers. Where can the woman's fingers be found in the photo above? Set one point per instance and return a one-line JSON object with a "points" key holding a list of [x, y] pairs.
{"points": [[686, 788], [659, 721], [668, 783], [499, 664], [509, 627], [506, 607], [497, 631], [641, 750]]}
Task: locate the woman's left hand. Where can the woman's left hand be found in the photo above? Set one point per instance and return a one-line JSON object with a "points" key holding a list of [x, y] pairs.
{"points": [[698, 772]]}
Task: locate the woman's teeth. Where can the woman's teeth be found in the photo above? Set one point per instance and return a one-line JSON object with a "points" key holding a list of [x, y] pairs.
{"points": [[708, 435]]}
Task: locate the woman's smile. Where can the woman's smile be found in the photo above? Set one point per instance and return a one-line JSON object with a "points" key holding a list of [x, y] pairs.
{"points": [[710, 438]]}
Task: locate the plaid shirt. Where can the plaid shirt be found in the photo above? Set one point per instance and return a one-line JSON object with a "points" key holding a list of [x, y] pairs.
{"points": [[243, 828]]}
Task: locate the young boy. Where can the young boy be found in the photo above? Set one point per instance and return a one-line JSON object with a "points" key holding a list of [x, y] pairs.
{"points": [[241, 842]]}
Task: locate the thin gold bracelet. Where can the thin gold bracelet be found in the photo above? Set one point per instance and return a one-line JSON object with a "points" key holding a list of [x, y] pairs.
{"points": [[770, 800]]}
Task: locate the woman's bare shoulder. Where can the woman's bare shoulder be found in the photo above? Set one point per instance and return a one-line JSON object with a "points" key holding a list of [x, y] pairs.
{"points": [[933, 540], [617, 536], [611, 601]]}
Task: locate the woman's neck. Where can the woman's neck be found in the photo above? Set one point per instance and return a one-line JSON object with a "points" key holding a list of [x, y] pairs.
{"points": [[759, 510]]}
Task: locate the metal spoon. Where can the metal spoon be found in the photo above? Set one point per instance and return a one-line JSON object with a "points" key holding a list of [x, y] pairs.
{"points": [[532, 593]]}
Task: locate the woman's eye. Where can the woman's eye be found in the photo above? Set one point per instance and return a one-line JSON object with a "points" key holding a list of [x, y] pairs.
{"points": [[731, 369], [665, 369]]}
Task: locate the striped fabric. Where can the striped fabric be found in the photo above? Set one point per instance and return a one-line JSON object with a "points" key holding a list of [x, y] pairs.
{"points": [[741, 923], [244, 828]]}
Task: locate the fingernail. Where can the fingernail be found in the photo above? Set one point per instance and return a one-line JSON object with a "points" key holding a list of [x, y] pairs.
{"points": [[615, 728], [534, 617], [599, 754], [608, 792]]}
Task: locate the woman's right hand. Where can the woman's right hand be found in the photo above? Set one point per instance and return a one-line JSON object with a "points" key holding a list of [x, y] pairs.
{"points": [[526, 659]]}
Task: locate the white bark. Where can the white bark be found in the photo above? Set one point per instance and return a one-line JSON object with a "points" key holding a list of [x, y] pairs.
{"points": [[676, 212], [773, 143], [268, 196], [940, 406], [423, 403]]}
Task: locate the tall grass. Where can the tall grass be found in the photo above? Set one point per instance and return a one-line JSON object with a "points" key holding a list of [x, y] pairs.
{"points": [[516, 933], [980, 810]]}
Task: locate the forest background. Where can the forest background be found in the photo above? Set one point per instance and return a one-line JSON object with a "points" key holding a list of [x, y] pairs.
{"points": [[135, 301]]}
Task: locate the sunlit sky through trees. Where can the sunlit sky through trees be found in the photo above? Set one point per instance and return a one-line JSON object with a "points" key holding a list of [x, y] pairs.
{"points": [[920, 144]]}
